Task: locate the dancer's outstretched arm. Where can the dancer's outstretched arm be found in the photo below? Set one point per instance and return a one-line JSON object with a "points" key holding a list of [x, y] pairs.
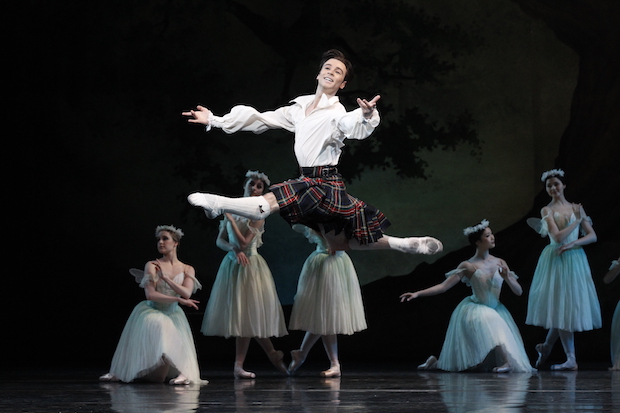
{"points": [[467, 269]]}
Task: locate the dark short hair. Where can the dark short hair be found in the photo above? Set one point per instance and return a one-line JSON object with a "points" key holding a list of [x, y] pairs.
{"points": [[338, 55], [561, 178], [475, 236]]}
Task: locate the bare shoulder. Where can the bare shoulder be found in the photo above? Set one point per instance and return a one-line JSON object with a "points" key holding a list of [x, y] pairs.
{"points": [[189, 270], [151, 266], [468, 266], [546, 210]]}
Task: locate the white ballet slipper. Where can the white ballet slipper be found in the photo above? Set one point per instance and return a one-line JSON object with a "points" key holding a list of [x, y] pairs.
{"points": [[179, 380], [333, 371], [240, 373], [502, 369], [277, 359], [416, 245], [569, 364], [542, 354], [429, 364], [296, 362], [108, 377]]}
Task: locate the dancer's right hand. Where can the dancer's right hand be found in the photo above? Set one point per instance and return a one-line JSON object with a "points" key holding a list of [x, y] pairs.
{"points": [[242, 258], [189, 302], [408, 297], [199, 115]]}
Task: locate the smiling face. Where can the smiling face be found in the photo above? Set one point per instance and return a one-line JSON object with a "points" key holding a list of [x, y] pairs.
{"points": [[165, 243], [555, 187], [331, 77], [254, 187], [487, 239]]}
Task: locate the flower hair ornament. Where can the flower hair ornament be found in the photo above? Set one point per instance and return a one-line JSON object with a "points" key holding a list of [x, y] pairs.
{"points": [[551, 173], [482, 225], [169, 228], [258, 175]]}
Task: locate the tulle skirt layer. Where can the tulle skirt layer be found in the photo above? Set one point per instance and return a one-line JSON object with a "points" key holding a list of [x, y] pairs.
{"points": [[562, 294], [475, 330], [155, 334], [244, 302], [328, 299], [615, 339]]}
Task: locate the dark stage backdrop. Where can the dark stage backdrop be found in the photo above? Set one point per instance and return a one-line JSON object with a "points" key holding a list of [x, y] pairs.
{"points": [[477, 100]]}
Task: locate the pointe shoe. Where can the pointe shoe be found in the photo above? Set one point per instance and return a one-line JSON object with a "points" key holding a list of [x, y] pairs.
{"points": [[276, 359], [502, 369], [423, 245], [207, 201], [333, 371], [179, 380], [296, 362], [240, 373], [429, 364], [542, 354], [108, 377], [570, 365]]}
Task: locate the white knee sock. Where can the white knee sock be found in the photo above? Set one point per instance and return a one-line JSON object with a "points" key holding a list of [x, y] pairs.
{"points": [[252, 207]]}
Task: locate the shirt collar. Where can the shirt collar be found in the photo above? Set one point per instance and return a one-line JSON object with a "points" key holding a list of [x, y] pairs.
{"points": [[324, 102]]}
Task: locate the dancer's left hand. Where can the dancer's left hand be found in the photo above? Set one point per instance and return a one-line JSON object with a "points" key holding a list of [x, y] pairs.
{"points": [[566, 247], [368, 107]]}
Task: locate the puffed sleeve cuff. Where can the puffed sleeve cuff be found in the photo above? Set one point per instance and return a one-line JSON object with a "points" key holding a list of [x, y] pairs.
{"points": [[455, 271], [461, 273], [211, 120], [374, 119], [197, 285]]}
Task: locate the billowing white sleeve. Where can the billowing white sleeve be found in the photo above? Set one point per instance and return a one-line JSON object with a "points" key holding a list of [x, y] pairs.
{"points": [[246, 118], [355, 126]]}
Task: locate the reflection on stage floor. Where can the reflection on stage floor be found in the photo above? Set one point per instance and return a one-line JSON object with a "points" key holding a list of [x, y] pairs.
{"points": [[361, 389]]}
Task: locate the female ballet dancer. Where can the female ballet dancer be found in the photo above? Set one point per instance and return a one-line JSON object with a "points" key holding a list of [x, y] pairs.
{"points": [[244, 302], [157, 342], [318, 198], [328, 302], [562, 295], [615, 323], [480, 324]]}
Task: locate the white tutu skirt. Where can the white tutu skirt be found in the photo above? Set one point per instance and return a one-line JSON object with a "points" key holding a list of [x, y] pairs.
{"points": [[562, 294], [155, 334], [615, 339], [328, 299], [474, 331], [244, 301]]}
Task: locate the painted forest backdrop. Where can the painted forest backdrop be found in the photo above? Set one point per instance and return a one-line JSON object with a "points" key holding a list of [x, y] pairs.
{"points": [[477, 100]]}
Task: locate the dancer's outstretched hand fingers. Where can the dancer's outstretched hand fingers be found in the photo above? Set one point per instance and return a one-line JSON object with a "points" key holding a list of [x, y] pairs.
{"points": [[368, 106]]}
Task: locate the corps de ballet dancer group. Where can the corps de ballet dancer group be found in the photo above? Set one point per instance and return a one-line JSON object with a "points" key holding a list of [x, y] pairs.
{"points": [[156, 343]]}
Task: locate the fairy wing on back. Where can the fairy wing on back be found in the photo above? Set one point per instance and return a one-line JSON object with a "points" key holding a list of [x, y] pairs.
{"points": [[537, 225], [138, 275]]}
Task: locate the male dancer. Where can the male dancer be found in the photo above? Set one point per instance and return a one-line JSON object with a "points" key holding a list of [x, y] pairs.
{"points": [[318, 198]]}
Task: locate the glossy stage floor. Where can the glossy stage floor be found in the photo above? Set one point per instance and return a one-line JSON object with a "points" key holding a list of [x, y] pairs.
{"points": [[362, 388]]}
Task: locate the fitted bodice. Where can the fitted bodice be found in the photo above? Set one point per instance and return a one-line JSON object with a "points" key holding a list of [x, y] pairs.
{"points": [[162, 286], [562, 221], [244, 227], [485, 287]]}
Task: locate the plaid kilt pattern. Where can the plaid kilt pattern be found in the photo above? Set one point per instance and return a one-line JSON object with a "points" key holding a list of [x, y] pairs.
{"points": [[319, 196]]}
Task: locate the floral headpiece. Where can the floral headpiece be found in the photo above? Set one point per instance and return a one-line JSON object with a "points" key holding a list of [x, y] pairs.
{"points": [[551, 173], [169, 228], [482, 225], [258, 175]]}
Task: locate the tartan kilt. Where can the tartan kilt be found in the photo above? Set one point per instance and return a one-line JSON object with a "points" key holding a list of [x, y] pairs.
{"points": [[313, 200]]}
